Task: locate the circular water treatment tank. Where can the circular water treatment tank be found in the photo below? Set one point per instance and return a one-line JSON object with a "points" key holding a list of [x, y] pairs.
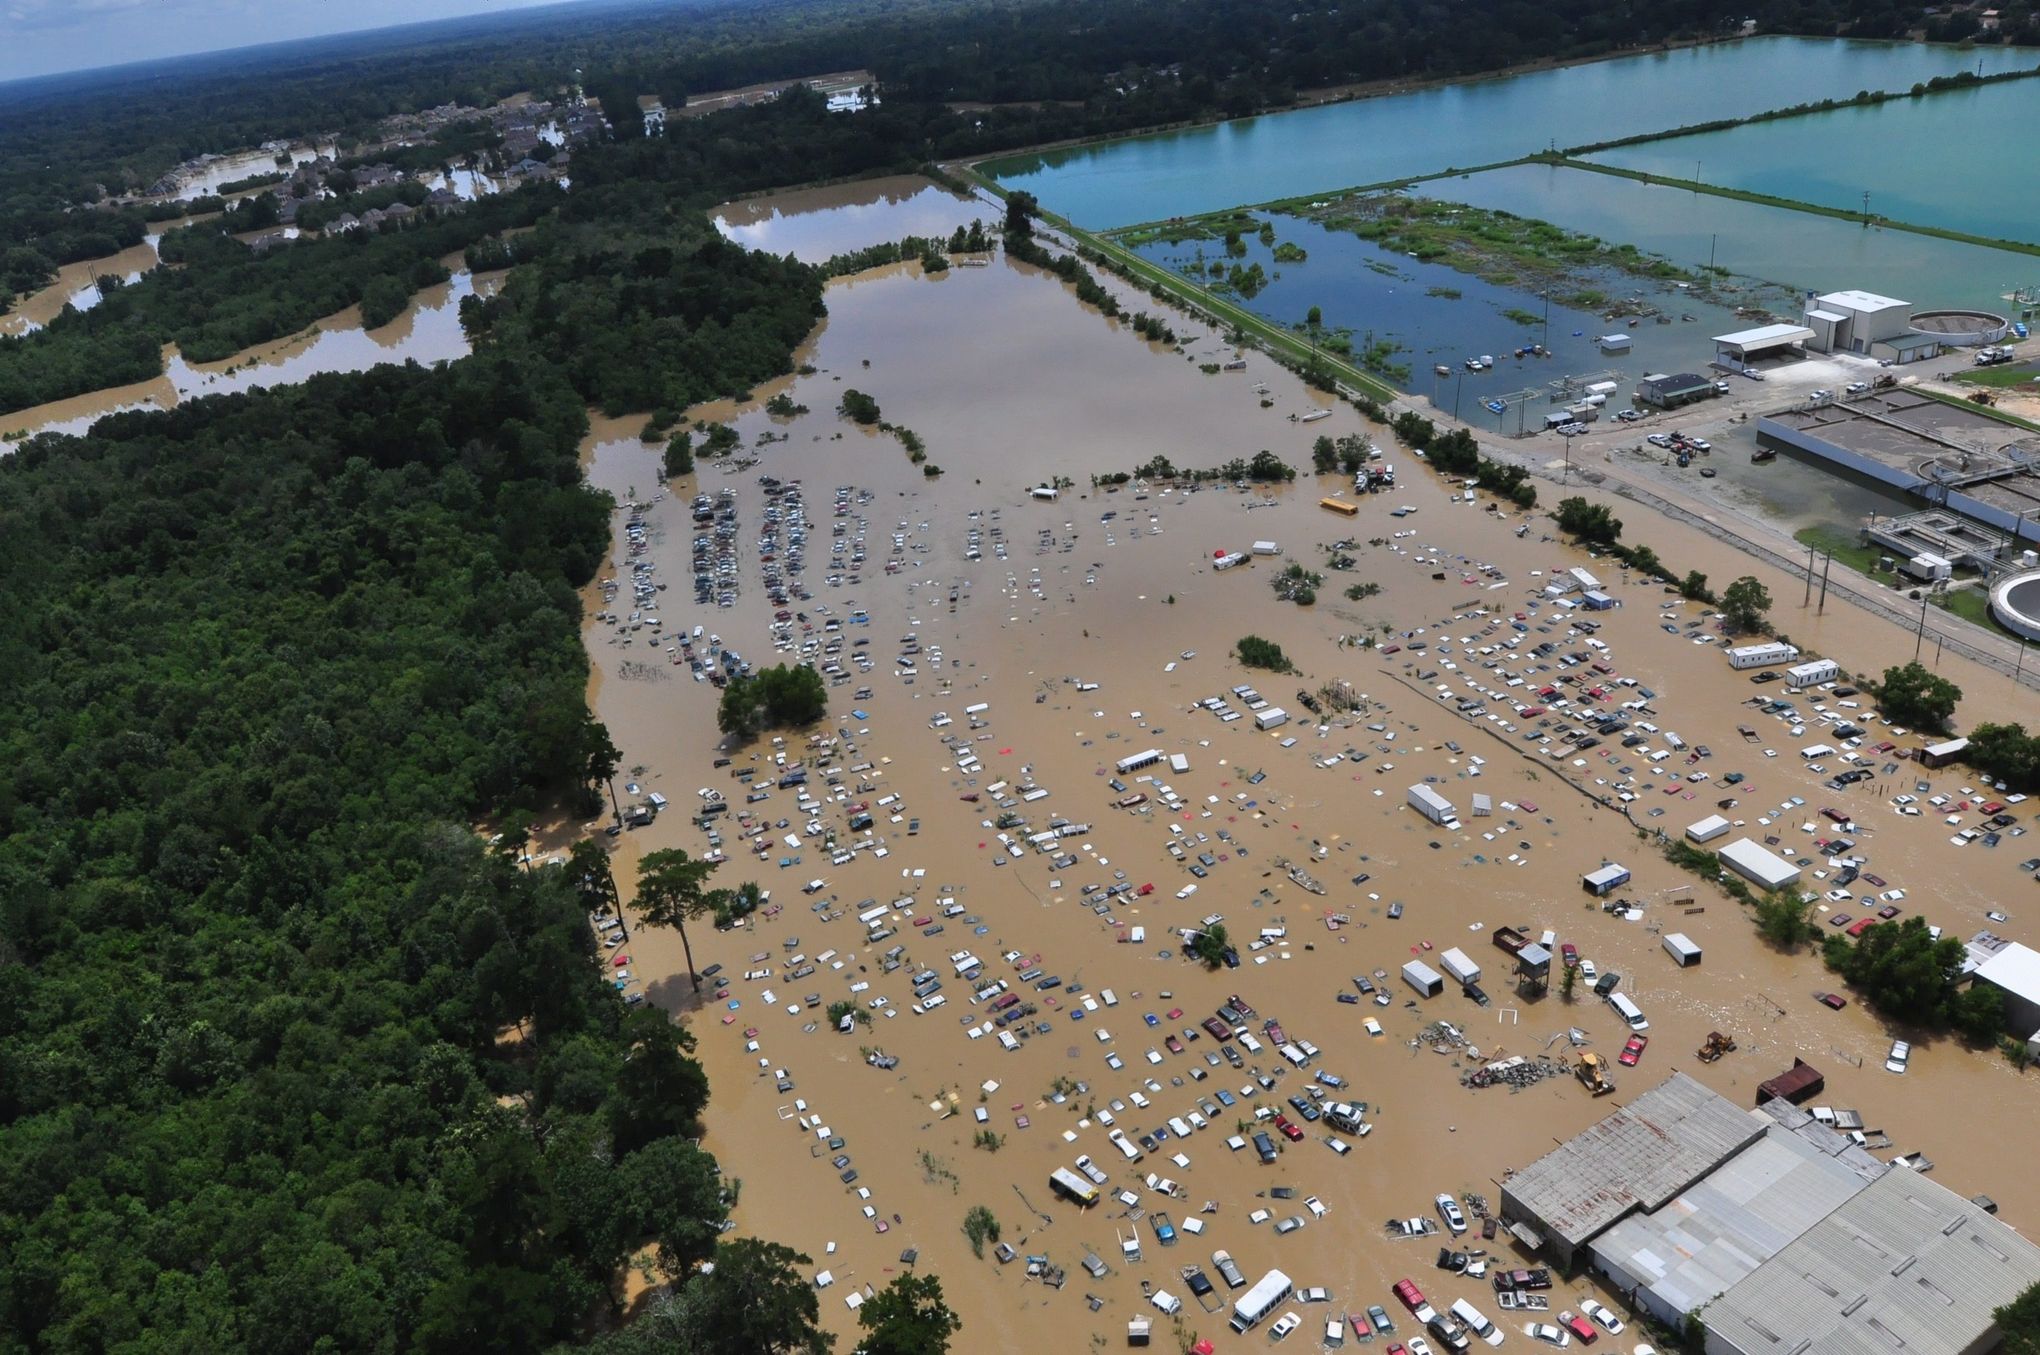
{"points": [[2015, 602], [1961, 328]]}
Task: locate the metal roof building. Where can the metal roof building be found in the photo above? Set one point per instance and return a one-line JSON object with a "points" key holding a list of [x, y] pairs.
{"points": [[2015, 969], [1766, 868], [1904, 1265], [1676, 1259], [1638, 1158]]}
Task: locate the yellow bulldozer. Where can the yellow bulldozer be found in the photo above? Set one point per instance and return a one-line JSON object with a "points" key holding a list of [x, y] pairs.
{"points": [[1592, 1071], [1717, 1045]]}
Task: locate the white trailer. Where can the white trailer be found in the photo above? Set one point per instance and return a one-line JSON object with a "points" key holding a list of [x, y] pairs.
{"points": [[1762, 656], [1423, 978], [1432, 805], [1271, 718], [1460, 966], [1812, 673]]}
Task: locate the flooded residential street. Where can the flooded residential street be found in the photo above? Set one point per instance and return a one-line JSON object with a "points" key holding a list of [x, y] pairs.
{"points": [[1011, 644]]}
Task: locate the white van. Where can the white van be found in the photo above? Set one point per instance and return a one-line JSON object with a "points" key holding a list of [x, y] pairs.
{"points": [[1007, 1042], [1475, 1320], [1818, 750], [1628, 1011]]}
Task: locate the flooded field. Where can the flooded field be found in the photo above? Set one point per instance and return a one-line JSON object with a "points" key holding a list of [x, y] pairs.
{"points": [[1012, 645], [1435, 314], [428, 331], [812, 224]]}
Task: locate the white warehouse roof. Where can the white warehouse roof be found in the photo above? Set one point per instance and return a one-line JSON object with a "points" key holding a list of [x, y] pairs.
{"points": [[1759, 864], [1767, 336], [2016, 969], [1905, 1265], [1863, 303]]}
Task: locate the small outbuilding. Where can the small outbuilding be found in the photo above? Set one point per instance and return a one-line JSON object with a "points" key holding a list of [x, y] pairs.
{"points": [[1605, 880], [1708, 829], [1680, 947]]}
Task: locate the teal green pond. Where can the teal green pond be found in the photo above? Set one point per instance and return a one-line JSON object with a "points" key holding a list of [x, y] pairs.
{"points": [[1953, 159], [1796, 250], [1467, 125]]}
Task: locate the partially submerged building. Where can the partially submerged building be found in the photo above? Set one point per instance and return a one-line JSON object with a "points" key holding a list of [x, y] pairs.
{"points": [[1903, 1265], [1634, 1161]]}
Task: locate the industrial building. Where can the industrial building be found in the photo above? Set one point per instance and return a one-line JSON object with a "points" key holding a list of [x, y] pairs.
{"points": [[1672, 391], [1637, 1159], [1952, 456], [1866, 323], [1903, 1265], [2014, 970], [1755, 863], [1676, 1258]]}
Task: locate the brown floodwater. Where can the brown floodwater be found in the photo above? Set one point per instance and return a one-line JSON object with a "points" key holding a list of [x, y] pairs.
{"points": [[427, 331], [77, 284], [814, 223], [1009, 381]]}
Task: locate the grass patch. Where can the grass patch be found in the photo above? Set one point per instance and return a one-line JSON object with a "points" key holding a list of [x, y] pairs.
{"points": [[2000, 378], [1971, 604], [1500, 247], [1842, 545]]}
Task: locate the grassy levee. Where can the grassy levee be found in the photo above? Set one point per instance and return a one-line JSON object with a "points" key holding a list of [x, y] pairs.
{"points": [[1271, 337], [1788, 204]]}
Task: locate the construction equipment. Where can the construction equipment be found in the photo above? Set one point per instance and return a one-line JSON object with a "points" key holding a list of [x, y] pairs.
{"points": [[1717, 1045], [1592, 1071]]}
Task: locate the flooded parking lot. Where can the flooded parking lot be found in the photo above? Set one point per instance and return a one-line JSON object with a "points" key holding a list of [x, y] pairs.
{"points": [[1015, 650]]}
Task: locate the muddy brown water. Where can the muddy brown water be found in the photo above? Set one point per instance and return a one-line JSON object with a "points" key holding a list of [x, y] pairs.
{"points": [[427, 331], [1009, 380], [814, 223]]}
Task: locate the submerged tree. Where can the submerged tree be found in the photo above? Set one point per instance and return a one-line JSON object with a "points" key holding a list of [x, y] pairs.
{"points": [[672, 890]]}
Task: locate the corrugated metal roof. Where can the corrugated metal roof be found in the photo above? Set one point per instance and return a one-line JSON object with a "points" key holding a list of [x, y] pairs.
{"points": [[1905, 1265], [1639, 1157], [1739, 1216], [2016, 969]]}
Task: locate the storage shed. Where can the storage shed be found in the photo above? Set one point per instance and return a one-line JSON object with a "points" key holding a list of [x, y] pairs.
{"points": [[1708, 829], [1756, 863], [1681, 948], [1606, 880], [1270, 718]]}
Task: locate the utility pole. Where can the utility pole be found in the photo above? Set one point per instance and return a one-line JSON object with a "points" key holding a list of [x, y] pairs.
{"points": [[1866, 208], [1921, 636], [1711, 241], [1825, 567], [1804, 601]]}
